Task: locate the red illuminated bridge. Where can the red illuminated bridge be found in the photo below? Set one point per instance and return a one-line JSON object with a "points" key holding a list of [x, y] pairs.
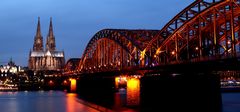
{"points": [[206, 30], [203, 38]]}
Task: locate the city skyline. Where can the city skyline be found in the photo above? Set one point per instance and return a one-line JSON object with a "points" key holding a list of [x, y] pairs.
{"points": [[75, 22]]}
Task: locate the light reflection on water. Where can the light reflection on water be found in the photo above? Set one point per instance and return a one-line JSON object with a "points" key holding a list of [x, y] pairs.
{"points": [[133, 92], [57, 101], [41, 101]]}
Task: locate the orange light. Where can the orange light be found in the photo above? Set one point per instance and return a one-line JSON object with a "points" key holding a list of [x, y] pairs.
{"points": [[73, 86], [64, 82], [117, 82], [132, 83], [51, 82], [173, 52]]}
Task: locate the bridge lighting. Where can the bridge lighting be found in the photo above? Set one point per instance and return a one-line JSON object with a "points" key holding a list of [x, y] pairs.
{"points": [[153, 64], [229, 50], [173, 52], [196, 48], [65, 82], [137, 76], [73, 86], [159, 51], [175, 74], [229, 42], [142, 54], [51, 83]]}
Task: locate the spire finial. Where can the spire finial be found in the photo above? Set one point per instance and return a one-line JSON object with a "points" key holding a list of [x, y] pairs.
{"points": [[50, 33], [38, 33]]}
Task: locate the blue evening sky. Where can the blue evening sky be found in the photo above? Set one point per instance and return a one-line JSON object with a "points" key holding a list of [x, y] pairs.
{"points": [[75, 22]]}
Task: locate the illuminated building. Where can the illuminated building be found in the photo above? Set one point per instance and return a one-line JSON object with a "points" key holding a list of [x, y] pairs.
{"points": [[41, 59], [10, 72], [9, 76], [10, 68]]}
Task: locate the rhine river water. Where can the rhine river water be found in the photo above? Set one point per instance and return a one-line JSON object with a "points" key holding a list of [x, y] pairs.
{"points": [[58, 101], [41, 101]]}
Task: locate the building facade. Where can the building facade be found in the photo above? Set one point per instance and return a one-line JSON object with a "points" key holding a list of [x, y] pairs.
{"points": [[41, 59]]}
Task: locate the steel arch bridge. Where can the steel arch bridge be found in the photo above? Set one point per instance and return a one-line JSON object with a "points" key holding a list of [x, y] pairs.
{"points": [[205, 30], [114, 49]]}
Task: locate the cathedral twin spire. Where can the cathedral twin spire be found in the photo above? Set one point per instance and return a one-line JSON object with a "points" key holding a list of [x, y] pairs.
{"points": [[38, 40]]}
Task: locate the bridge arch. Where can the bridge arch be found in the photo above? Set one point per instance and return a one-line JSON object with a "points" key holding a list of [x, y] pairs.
{"points": [[113, 49]]}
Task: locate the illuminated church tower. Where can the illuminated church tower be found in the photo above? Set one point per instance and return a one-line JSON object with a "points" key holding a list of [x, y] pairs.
{"points": [[50, 44], [38, 39], [48, 59]]}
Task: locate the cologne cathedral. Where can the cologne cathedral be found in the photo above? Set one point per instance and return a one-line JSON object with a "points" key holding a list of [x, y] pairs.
{"points": [[47, 59]]}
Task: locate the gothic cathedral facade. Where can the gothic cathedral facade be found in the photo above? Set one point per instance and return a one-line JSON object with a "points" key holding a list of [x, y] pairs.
{"points": [[41, 59]]}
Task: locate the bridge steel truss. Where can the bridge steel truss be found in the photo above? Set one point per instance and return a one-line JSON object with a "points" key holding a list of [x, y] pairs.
{"points": [[205, 30], [113, 49]]}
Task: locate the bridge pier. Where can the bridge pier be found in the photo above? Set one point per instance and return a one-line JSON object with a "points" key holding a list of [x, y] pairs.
{"points": [[181, 92], [97, 88], [164, 91]]}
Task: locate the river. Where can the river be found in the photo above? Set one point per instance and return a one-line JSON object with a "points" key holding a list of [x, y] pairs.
{"points": [[58, 101], [231, 102], [41, 101]]}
